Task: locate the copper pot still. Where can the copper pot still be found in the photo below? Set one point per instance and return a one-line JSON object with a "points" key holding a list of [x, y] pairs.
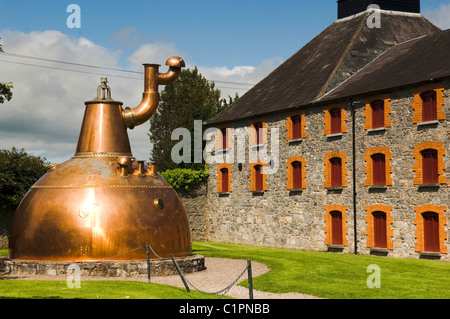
{"points": [[102, 203]]}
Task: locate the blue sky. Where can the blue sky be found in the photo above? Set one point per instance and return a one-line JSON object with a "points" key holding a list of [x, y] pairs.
{"points": [[230, 41]]}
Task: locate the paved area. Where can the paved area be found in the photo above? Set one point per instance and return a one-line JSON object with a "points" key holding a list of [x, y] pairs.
{"points": [[220, 273]]}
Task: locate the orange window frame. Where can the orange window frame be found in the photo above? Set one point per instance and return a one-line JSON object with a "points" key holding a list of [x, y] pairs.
{"points": [[417, 167], [290, 171], [328, 223], [419, 233], [369, 164]]}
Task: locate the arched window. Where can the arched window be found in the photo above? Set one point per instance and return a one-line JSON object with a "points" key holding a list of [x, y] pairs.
{"points": [[379, 229], [258, 133], [259, 186], [336, 227], [225, 179], [379, 169], [296, 175], [336, 172], [429, 106], [335, 121], [296, 127], [430, 174], [431, 231], [377, 113]]}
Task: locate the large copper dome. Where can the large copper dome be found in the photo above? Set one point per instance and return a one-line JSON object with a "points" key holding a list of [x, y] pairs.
{"points": [[102, 203]]}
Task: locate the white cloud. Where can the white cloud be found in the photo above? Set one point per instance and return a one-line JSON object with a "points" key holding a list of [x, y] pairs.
{"points": [[439, 16], [45, 114]]}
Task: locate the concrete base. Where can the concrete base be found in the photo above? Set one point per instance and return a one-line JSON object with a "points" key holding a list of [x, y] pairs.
{"points": [[122, 268]]}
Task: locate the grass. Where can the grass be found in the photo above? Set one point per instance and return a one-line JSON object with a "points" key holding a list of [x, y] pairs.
{"points": [[327, 275], [38, 289], [4, 252], [341, 276]]}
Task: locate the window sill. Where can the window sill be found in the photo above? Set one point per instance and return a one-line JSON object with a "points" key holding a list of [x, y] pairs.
{"points": [[430, 254], [378, 129], [335, 248], [334, 135], [334, 189], [257, 146], [378, 187], [379, 250], [295, 189], [437, 185], [258, 192], [224, 194], [428, 123], [295, 140], [223, 151]]}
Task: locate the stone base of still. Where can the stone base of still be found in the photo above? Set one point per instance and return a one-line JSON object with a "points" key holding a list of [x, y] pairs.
{"points": [[122, 268]]}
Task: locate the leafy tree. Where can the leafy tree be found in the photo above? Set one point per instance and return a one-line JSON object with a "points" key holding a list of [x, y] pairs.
{"points": [[18, 172], [5, 88], [191, 97]]}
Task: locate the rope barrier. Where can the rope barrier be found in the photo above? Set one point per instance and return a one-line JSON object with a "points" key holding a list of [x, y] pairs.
{"points": [[186, 282]]}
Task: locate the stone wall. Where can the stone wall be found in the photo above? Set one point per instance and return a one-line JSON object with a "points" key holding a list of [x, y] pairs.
{"points": [[281, 218], [195, 203]]}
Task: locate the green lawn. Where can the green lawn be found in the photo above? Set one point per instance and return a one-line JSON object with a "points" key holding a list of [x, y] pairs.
{"points": [[327, 275], [331, 275], [38, 289]]}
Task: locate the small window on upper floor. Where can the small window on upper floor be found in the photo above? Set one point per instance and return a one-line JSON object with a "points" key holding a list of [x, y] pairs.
{"points": [[335, 121], [377, 114], [429, 106], [430, 173], [379, 169], [336, 172]]}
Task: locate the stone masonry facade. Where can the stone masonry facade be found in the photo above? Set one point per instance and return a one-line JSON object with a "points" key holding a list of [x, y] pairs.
{"points": [[300, 218]]}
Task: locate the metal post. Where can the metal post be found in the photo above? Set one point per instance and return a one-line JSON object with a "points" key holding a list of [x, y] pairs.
{"points": [[250, 279], [148, 261], [180, 273]]}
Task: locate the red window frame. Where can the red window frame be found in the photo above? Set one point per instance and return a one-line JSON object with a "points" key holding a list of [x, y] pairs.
{"points": [[336, 171], [377, 113], [224, 132], [379, 229], [225, 179], [258, 178], [335, 121], [431, 231], [296, 127], [296, 175], [379, 169], [430, 174], [336, 228], [429, 106], [258, 132]]}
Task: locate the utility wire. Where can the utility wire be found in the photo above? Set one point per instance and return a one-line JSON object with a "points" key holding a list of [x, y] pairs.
{"points": [[98, 67], [102, 74]]}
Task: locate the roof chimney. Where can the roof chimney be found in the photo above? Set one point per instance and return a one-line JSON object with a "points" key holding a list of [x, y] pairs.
{"points": [[350, 7]]}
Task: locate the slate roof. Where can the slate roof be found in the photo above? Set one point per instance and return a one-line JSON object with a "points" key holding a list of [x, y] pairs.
{"points": [[336, 54], [421, 60]]}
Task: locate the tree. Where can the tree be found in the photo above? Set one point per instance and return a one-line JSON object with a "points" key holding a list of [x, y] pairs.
{"points": [[18, 172], [191, 97], [5, 88]]}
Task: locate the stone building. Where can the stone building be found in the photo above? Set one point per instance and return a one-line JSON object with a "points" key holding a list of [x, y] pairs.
{"points": [[345, 142]]}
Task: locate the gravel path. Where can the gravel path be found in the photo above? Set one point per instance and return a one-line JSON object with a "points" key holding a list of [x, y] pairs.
{"points": [[219, 274]]}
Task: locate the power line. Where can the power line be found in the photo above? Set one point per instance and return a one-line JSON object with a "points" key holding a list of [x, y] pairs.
{"points": [[103, 68], [94, 73]]}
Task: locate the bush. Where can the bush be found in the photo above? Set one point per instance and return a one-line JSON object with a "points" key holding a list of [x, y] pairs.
{"points": [[18, 172], [184, 179]]}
